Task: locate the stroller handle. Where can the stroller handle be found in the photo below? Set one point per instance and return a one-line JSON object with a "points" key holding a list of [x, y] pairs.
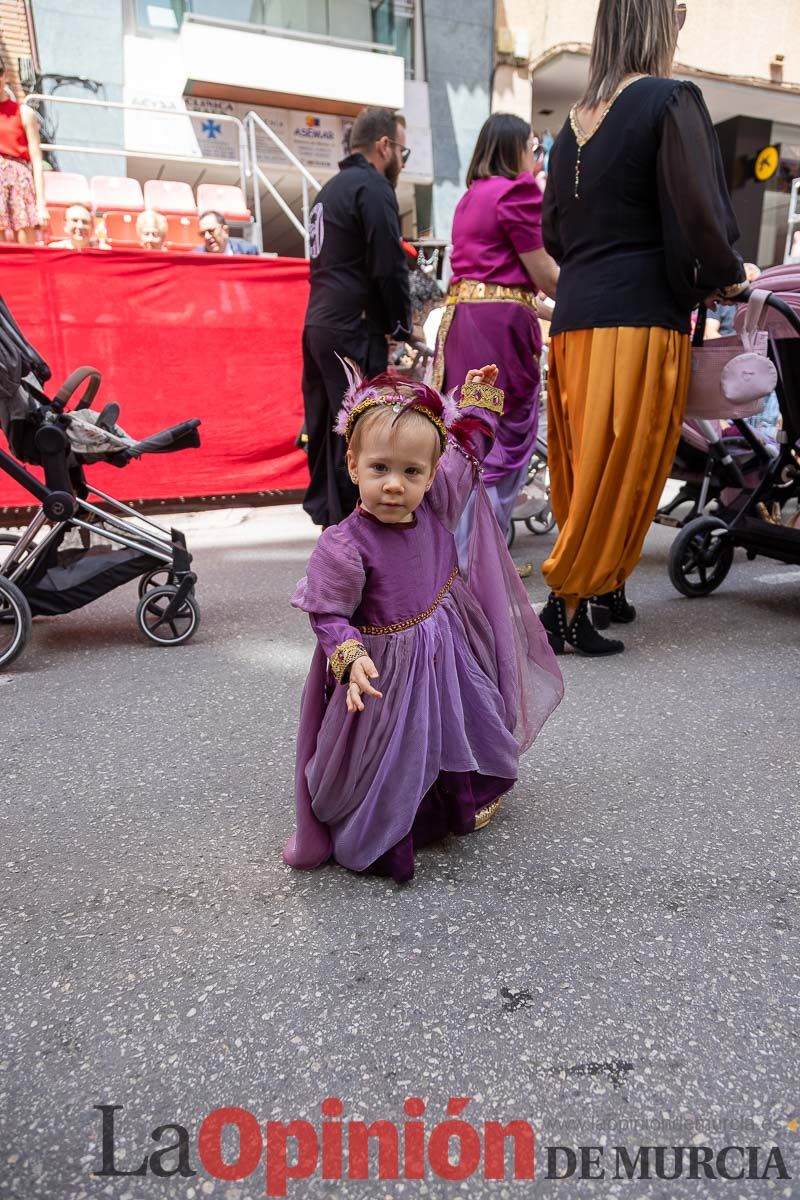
{"points": [[71, 385], [773, 301]]}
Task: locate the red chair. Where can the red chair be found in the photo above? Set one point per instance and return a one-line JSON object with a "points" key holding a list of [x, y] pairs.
{"points": [[62, 189], [225, 199], [169, 197], [116, 193], [55, 230], [121, 229], [182, 233]]}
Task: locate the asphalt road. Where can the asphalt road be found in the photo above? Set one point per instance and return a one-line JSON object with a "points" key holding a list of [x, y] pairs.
{"points": [[613, 959]]}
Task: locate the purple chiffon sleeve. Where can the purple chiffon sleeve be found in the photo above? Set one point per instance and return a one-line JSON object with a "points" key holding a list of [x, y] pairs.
{"points": [[458, 470], [331, 590]]}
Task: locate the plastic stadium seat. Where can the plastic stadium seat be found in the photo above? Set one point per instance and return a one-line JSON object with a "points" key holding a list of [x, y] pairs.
{"points": [[182, 233], [121, 229], [223, 198], [116, 193], [55, 230], [170, 198], [62, 188]]}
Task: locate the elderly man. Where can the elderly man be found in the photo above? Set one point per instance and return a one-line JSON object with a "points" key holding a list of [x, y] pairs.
{"points": [[79, 227], [359, 295], [151, 229], [217, 239]]}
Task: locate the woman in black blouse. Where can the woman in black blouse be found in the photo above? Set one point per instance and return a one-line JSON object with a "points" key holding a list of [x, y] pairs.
{"points": [[637, 214]]}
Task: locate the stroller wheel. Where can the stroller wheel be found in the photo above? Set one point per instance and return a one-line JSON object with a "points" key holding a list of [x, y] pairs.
{"points": [[154, 623], [543, 522], [701, 556], [15, 622], [160, 577], [511, 533], [7, 543]]}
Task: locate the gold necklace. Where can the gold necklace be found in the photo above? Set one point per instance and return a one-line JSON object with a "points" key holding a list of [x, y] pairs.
{"points": [[582, 138]]}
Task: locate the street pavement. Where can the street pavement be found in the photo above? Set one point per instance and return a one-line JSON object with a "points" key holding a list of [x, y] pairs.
{"points": [[613, 959]]}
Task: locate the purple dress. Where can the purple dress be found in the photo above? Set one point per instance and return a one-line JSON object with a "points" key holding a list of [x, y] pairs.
{"points": [[468, 680], [497, 220]]}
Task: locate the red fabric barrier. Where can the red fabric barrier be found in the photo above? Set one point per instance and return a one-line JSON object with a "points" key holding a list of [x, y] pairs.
{"points": [[175, 336]]}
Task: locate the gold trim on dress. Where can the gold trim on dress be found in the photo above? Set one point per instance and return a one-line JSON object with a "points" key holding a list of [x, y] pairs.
{"points": [[581, 137], [482, 395], [344, 656], [484, 815], [399, 626]]}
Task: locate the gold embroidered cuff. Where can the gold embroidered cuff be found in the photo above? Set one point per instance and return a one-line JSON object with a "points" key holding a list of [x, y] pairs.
{"points": [[343, 658], [481, 395]]}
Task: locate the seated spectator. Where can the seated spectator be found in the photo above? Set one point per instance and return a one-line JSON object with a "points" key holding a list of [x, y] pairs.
{"points": [[151, 229], [79, 228], [217, 239]]}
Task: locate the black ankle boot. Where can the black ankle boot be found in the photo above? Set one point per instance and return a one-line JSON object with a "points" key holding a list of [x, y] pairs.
{"points": [[618, 607], [577, 635]]}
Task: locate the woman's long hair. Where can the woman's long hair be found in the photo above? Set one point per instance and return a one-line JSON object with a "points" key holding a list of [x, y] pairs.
{"points": [[631, 37], [499, 149]]}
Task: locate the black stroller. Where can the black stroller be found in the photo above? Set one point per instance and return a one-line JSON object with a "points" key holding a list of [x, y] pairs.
{"points": [[751, 481], [81, 542]]}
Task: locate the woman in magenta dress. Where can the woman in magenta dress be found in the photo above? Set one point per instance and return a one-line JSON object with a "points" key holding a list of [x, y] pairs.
{"points": [[499, 264], [465, 673]]}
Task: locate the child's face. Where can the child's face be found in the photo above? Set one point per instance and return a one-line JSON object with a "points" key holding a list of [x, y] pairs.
{"points": [[394, 468]]}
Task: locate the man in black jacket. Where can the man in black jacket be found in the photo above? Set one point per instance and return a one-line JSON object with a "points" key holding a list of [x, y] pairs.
{"points": [[359, 296]]}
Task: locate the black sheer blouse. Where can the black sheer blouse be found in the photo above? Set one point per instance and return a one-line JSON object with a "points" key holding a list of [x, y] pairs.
{"points": [[651, 229]]}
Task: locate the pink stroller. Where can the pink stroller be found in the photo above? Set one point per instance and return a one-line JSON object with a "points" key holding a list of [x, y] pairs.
{"points": [[750, 478]]}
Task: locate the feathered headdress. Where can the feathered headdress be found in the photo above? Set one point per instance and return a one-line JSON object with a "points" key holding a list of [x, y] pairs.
{"points": [[362, 394]]}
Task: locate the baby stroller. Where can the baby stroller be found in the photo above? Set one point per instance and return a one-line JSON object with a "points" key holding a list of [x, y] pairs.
{"points": [[751, 479], [81, 542], [532, 505]]}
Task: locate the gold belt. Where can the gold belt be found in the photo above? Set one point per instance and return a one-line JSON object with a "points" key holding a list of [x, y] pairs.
{"points": [[470, 290], [399, 626]]}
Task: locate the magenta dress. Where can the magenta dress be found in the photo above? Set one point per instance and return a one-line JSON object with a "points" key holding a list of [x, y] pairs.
{"points": [[495, 221], [467, 676]]}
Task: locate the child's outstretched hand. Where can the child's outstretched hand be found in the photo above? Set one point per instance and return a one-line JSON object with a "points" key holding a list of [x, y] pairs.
{"points": [[486, 375], [362, 670]]}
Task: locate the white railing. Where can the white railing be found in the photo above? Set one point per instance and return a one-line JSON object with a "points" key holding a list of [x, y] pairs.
{"points": [[246, 162], [125, 152], [252, 122]]}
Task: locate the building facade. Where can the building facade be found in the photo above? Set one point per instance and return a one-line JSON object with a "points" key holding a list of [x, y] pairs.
{"points": [[185, 76], [744, 57]]}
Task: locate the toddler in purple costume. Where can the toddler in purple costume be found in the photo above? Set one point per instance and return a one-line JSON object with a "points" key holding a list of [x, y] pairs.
{"points": [[465, 673]]}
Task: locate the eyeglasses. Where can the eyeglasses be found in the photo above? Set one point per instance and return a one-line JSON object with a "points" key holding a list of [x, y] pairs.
{"points": [[680, 16], [405, 151]]}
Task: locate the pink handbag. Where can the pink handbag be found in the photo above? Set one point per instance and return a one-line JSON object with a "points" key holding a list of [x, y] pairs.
{"points": [[731, 378]]}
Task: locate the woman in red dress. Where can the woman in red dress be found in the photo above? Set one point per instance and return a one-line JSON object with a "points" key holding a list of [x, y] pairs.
{"points": [[22, 206]]}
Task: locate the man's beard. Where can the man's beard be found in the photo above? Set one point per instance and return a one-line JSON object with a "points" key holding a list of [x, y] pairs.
{"points": [[393, 173]]}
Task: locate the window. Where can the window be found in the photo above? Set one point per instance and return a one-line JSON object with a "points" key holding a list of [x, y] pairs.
{"points": [[160, 16], [386, 22]]}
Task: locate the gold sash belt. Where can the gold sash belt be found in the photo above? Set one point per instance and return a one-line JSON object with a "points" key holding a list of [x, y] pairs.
{"points": [[399, 626], [473, 291]]}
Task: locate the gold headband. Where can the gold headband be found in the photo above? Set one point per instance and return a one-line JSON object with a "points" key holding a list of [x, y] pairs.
{"points": [[395, 403]]}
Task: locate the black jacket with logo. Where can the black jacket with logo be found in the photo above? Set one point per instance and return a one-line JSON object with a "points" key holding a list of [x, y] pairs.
{"points": [[358, 266]]}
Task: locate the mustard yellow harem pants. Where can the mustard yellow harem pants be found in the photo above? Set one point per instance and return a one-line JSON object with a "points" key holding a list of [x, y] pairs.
{"points": [[615, 401]]}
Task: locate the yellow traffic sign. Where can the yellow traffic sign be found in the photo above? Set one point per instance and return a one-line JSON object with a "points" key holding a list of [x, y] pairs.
{"points": [[766, 163]]}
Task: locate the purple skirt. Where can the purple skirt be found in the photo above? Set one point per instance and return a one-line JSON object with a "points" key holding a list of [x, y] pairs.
{"points": [[408, 768], [506, 333]]}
